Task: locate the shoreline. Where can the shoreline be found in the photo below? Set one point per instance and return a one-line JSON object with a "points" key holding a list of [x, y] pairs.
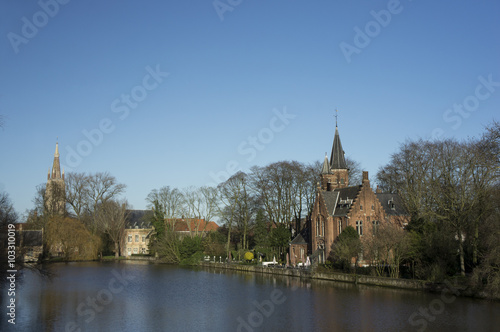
{"points": [[398, 283], [408, 284]]}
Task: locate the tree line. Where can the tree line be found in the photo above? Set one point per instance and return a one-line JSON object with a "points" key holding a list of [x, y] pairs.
{"points": [[262, 208], [450, 189]]}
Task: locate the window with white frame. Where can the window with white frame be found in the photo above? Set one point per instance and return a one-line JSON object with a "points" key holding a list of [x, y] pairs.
{"points": [[359, 227]]}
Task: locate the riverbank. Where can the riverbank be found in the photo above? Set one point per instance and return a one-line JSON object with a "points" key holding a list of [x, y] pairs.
{"points": [[410, 284]]}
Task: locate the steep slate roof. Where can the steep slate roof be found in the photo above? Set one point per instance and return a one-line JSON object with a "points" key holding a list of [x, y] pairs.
{"points": [[392, 204], [348, 193], [139, 219], [330, 198], [333, 200], [337, 159], [326, 166], [299, 239]]}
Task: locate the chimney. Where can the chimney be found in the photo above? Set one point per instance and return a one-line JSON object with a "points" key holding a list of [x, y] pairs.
{"points": [[365, 178], [378, 191], [365, 175]]}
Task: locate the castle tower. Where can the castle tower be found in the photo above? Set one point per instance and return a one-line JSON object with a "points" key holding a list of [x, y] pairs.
{"points": [[55, 193], [334, 175]]}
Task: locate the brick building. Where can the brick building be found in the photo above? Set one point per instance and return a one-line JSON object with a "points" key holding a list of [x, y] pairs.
{"points": [[338, 205]]}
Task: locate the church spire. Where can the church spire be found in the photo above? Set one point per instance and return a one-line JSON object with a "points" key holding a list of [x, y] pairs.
{"points": [[337, 159], [56, 167]]}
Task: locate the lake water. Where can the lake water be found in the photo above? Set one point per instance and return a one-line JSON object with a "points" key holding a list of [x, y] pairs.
{"points": [[138, 296]]}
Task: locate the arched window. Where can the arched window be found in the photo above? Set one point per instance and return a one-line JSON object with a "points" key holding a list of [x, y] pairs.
{"points": [[322, 227]]}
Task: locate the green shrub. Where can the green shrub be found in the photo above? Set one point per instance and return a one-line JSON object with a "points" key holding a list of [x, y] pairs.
{"points": [[194, 259]]}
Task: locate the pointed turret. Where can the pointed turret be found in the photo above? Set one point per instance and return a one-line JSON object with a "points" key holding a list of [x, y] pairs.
{"points": [[337, 159], [326, 166], [335, 174]]}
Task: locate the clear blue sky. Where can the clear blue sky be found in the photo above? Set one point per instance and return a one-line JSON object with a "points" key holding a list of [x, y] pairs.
{"points": [[393, 69]]}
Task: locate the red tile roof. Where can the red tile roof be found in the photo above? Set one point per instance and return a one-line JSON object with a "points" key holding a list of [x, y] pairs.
{"points": [[200, 225]]}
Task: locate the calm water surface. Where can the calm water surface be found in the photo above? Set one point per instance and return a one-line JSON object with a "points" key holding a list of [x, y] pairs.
{"points": [[136, 296]]}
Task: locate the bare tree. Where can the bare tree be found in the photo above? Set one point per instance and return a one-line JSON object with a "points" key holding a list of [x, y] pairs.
{"points": [[273, 185], [388, 246], [354, 171], [199, 203], [101, 188], [111, 217], [234, 204], [169, 202], [7, 213], [78, 193], [443, 182], [286, 190]]}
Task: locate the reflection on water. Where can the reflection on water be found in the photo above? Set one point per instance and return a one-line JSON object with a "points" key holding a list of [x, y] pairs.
{"points": [[139, 296]]}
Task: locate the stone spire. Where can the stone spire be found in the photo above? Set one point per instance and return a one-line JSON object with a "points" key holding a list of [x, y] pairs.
{"points": [[56, 167], [55, 197]]}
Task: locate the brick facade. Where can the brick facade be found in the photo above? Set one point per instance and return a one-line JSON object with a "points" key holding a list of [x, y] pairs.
{"points": [[338, 205]]}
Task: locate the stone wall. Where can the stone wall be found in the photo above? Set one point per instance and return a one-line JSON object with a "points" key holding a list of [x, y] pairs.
{"points": [[332, 276]]}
